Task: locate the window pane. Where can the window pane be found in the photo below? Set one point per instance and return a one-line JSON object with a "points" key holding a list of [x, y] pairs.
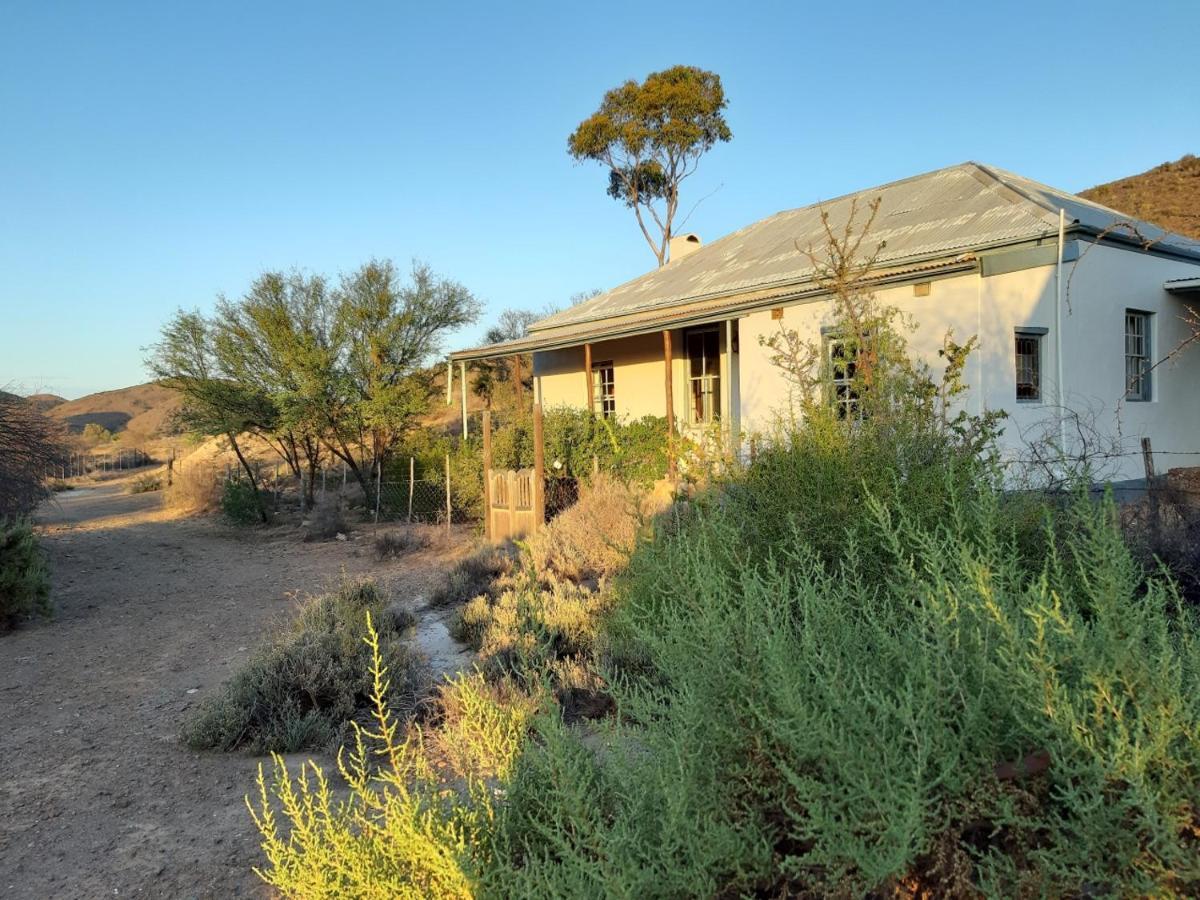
{"points": [[1137, 355]]}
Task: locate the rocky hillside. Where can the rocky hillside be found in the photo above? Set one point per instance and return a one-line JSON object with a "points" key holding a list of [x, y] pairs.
{"points": [[1167, 195]]}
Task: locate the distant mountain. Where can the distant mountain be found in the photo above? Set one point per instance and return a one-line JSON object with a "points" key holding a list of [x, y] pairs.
{"points": [[142, 410], [1167, 196]]}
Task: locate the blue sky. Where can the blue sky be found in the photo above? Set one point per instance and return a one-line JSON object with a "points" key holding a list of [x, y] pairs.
{"points": [[154, 155]]}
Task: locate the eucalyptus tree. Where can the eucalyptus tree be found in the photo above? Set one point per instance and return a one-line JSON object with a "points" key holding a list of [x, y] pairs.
{"points": [[650, 137]]}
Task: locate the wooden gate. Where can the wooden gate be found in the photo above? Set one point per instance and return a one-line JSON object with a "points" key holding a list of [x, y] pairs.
{"points": [[512, 506]]}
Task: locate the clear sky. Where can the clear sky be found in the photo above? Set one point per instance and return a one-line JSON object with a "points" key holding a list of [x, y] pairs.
{"points": [[153, 155]]}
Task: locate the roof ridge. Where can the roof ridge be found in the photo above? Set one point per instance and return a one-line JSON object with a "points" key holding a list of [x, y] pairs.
{"points": [[1048, 212]]}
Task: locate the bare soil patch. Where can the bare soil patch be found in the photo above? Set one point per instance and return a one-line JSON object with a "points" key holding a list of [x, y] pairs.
{"points": [[154, 611]]}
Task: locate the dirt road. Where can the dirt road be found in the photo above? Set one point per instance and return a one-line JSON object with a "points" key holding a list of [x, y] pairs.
{"points": [[97, 796]]}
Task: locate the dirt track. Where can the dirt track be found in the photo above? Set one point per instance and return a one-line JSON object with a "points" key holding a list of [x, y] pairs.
{"points": [[154, 611]]}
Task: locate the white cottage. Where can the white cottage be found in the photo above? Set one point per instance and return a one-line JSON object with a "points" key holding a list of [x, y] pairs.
{"points": [[1074, 304]]}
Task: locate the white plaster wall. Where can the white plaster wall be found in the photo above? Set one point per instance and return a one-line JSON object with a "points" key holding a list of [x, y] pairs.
{"points": [[1103, 284]]}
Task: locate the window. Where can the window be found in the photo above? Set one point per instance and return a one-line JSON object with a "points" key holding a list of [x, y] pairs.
{"points": [[604, 392], [843, 367], [1029, 364], [704, 375], [1137, 355]]}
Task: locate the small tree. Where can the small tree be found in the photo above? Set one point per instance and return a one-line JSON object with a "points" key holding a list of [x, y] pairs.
{"points": [[384, 333], [275, 339], [651, 136], [214, 403], [515, 370]]}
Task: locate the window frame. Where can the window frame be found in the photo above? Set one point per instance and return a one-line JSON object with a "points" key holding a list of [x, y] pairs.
{"points": [[840, 392], [1036, 335], [604, 402], [709, 380], [1145, 379]]}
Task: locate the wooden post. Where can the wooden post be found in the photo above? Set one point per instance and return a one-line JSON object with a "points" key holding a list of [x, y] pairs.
{"points": [[1151, 488], [539, 471], [412, 470], [463, 379], [591, 386], [378, 487], [517, 378], [668, 365], [487, 473], [449, 510]]}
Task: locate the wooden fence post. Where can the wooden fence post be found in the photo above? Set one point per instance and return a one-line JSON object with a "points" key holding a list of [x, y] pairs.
{"points": [[412, 470], [539, 470], [378, 487], [668, 365], [449, 511], [487, 473], [1151, 488]]}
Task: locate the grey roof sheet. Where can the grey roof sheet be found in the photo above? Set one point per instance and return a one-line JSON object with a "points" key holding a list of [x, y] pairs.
{"points": [[957, 209]]}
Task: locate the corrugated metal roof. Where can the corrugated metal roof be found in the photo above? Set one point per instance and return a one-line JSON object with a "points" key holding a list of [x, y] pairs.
{"points": [[932, 217], [968, 206]]}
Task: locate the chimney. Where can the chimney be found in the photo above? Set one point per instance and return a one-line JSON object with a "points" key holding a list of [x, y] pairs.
{"points": [[682, 245]]}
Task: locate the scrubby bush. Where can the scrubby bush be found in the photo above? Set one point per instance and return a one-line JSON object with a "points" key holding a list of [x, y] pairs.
{"points": [[474, 574], [400, 542], [239, 504], [593, 538], [325, 520], [24, 578], [416, 820], [305, 686], [145, 484], [966, 725]]}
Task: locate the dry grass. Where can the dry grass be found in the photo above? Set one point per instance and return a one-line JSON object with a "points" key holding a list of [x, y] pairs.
{"points": [[595, 537], [196, 490]]}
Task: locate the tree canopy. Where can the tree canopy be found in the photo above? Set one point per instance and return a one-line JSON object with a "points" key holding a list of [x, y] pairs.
{"points": [[651, 136]]}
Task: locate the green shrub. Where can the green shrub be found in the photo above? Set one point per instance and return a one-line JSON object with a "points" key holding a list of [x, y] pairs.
{"points": [[303, 689], [807, 730], [239, 504], [24, 578], [415, 820]]}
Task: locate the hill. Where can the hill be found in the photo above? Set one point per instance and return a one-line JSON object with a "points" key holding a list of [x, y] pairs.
{"points": [[1167, 195], [43, 403], [142, 411]]}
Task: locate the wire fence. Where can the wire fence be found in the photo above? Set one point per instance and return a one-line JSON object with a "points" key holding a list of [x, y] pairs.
{"points": [[77, 465]]}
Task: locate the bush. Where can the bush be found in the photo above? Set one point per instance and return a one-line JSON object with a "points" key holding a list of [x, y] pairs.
{"points": [[145, 484], [807, 731], [417, 828], [307, 685], [474, 575], [592, 539], [24, 578], [326, 519], [239, 502], [400, 542]]}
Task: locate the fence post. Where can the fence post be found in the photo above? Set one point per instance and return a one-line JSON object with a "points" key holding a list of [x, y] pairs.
{"points": [[1151, 488], [539, 471], [412, 468], [448, 509], [322, 481], [378, 487], [487, 473]]}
